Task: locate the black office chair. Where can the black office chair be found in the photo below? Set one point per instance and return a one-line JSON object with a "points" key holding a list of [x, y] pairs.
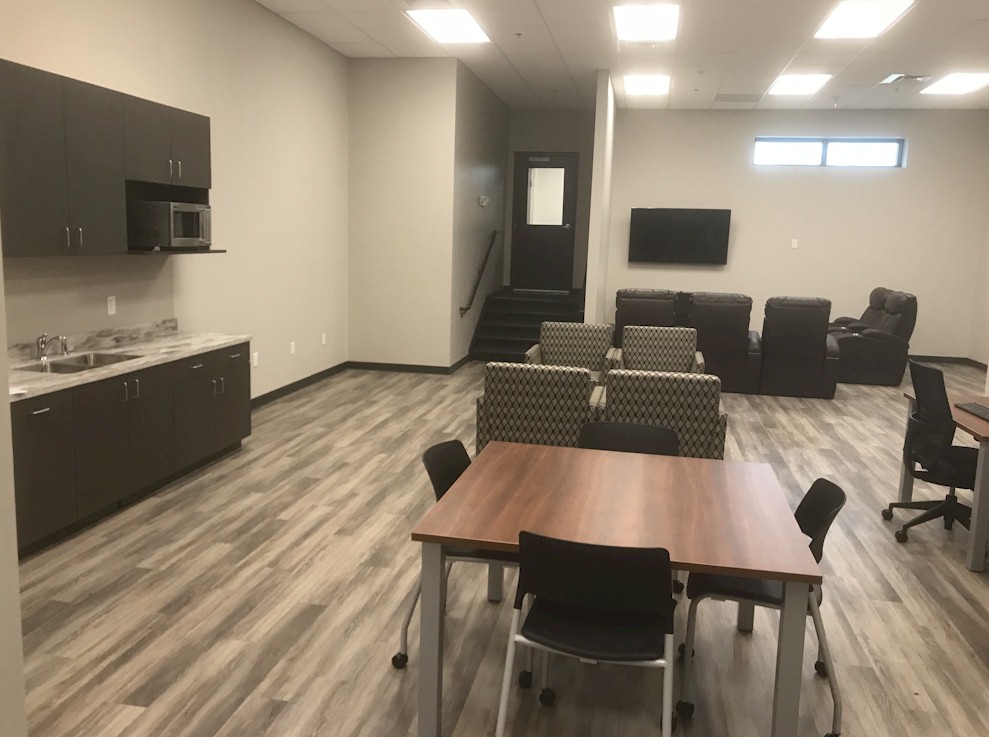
{"points": [[930, 431], [595, 603], [444, 463], [629, 438], [815, 513]]}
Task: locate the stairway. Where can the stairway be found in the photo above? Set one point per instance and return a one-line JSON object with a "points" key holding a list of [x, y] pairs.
{"points": [[509, 323]]}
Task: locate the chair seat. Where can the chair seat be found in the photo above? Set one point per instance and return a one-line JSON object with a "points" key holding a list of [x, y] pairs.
{"points": [[758, 590], [956, 467], [595, 635], [496, 556]]}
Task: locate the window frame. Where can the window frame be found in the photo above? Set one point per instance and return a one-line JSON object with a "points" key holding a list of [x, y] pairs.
{"points": [[901, 144]]}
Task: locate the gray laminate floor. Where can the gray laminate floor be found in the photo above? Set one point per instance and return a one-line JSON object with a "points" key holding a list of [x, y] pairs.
{"points": [[261, 595]]}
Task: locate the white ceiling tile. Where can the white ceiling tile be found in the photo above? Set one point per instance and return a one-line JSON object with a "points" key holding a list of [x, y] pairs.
{"points": [[363, 50], [295, 6], [327, 27], [365, 5]]}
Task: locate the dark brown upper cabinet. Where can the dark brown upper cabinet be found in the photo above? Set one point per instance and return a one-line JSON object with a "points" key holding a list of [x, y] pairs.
{"points": [[166, 145], [61, 165]]}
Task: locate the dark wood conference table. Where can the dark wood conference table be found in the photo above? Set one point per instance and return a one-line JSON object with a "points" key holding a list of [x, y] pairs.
{"points": [[978, 533], [717, 516]]}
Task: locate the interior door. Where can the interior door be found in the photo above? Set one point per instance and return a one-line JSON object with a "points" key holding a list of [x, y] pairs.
{"points": [[543, 210]]}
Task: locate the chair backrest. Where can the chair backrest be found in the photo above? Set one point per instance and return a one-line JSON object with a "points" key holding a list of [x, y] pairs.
{"points": [[930, 428], [690, 404], [596, 577], [444, 463], [722, 323], [817, 510], [659, 349], [877, 304], [629, 438], [542, 405], [796, 328], [655, 307], [892, 312], [932, 398], [580, 344]]}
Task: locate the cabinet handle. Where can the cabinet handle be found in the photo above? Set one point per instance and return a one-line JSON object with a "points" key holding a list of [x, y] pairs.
{"points": [[42, 411], [223, 386], [126, 392], [234, 355], [213, 382], [137, 388], [68, 239], [171, 173], [80, 236], [180, 168], [197, 366]]}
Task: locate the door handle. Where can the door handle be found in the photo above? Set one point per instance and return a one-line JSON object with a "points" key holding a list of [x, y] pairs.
{"points": [[137, 388], [126, 392], [68, 239], [80, 236], [567, 226], [223, 386], [171, 171], [42, 411], [180, 168], [213, 382]]}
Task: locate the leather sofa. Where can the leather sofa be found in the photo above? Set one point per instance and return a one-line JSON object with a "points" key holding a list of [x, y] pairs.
{"points": [[731, 351], [874, 347], [653, 307], [799, 356]]}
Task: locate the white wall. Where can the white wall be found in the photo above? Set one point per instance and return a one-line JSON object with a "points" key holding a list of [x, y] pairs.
{"points": [[479, 169], [563, 131], [402, 122], [598, 246], [921, 229], [277, 99]]}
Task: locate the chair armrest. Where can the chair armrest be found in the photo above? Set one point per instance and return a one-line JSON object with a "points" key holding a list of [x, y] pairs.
{"points": [[597, 403], [534, 355], [833, 349], [885, 337], [698, 367], [857, 326], [612, 359], [755, 342], [482, 432], [844, 320]]}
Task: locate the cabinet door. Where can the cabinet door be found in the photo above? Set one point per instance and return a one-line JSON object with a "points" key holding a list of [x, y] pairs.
{"points": [[190, 149], [94, 163], [33, 199], [195, 419], [100, 418], [234, 421], [44, 474], [147, 141], [150, 426]]}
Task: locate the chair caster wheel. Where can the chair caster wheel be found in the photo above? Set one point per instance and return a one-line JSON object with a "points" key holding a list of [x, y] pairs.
{"points": [[547, 697], [525, 679], [685, 709], [822, 670], [901, 536], [887, 514], [677, 587], [399, 661]]}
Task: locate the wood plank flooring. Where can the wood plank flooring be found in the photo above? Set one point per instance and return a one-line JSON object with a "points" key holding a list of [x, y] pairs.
{"points": [[261, 596]]}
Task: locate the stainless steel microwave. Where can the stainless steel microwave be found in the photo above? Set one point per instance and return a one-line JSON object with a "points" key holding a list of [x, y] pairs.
{"points": [[156, 226]]}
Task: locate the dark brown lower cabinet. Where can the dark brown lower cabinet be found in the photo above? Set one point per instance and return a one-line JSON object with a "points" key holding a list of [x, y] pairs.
{"points": [[99, 413], [150, 426], [44, 471]]}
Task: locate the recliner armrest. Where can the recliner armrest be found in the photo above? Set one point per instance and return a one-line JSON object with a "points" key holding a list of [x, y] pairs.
{"points": [[698, 362], [534, 355], [755, 342], [885, 337], [858, 326], [833, 349], [844, 320]]}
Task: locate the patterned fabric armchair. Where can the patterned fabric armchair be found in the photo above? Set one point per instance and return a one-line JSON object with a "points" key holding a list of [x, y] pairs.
{"points": [[543, 405], [687, 403], [658, 349], [578, 344]]}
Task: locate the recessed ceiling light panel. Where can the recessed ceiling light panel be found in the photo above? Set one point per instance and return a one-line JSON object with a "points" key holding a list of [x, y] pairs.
{"points": [[798, 84], [959, 83], [644, 85], [647, 22], [451, 26], [862, 18]]}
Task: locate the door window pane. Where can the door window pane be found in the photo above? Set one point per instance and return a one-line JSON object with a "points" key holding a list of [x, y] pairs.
{"points": [[545, 201]]}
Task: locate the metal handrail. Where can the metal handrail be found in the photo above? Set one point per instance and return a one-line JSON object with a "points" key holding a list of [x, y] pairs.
{"points": [[480, 273]]}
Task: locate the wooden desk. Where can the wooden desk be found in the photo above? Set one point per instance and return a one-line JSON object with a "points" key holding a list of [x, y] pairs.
{"points": [[715, 516], [978, 533]]}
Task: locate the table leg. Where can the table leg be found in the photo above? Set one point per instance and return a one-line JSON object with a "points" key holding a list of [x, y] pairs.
{"points": [[906, 464], [975, 556], [789, 659], [746, 616], [496, 581], [431, 641]]}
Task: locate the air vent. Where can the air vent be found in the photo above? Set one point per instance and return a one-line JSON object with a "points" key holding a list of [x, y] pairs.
{"points": [[738, 97], [905, 79]]}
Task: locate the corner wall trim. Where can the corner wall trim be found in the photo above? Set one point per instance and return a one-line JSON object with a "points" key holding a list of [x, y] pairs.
{"points": [[284, 391], [407, 368]]}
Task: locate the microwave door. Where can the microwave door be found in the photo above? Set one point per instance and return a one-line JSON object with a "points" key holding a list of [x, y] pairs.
{"points": [[190, 226]]}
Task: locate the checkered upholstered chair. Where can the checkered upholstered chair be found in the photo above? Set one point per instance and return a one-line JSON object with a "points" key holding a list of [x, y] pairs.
{"points": [[646, 348], [543, 405], [579, 344], [687, 403]]}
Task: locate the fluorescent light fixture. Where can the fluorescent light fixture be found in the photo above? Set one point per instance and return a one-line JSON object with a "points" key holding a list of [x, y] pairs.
{"points": [[862, 18], [646, 22], [959, 83], [642, 85], [798, 84], [451, 26], [892, 78]]}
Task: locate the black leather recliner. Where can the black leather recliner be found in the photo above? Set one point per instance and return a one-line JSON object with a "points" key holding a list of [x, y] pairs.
{"points": [[799, 355], [731, 351], [651, 307], [874, 347]]}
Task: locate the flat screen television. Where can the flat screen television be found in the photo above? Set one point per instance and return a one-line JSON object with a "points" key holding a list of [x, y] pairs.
{"points": [[678, 236]]}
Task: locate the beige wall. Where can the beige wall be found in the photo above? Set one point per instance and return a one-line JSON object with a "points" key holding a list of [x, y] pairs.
{"points": [[921, 229], [277, 99], [598, 246], [555, 130], [479, 169], [402, 119]]}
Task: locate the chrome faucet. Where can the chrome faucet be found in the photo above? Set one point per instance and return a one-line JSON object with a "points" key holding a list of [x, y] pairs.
{"points": [[44, 343]]}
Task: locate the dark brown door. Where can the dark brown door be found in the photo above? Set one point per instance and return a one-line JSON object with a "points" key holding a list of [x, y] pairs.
{"points": [[148, 141], [543, 211], [150, 426], [99, 412], [190, 149]]}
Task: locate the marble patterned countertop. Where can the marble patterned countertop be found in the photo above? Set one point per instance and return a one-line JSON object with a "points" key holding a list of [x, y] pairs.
{"points": [[150, 350]]}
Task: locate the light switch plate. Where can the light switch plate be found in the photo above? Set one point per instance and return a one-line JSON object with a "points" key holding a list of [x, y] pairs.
{"points": [[111, 305]]}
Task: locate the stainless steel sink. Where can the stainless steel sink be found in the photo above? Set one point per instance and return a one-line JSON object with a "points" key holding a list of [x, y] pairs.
{"points": [[77, 363]]}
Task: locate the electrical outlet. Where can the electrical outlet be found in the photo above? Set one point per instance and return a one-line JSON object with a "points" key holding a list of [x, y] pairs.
{"points": [[111, 305], [323, 338], [255, 361], [291, 348], [793, 243]]}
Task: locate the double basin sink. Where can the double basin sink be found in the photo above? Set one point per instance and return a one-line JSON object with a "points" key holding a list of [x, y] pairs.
{"points": [[77, 363]]}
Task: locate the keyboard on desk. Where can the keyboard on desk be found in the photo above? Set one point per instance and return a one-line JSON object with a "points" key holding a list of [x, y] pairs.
{"points": [[974, 408]]}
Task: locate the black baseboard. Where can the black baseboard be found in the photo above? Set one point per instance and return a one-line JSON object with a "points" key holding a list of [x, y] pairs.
{"points": [[295, 386], [951, 359]]}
